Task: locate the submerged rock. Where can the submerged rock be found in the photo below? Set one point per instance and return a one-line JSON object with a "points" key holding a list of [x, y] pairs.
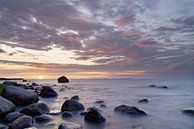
{"points": [[36, 109], [67, 114], [12, 116], [6, 106], [19, 96], [143, 101], [70, 125], [76, 97], [99, 101], [43, 118], [63, 79], [94, 116], [72, 106], [189, 110], [21, 123], [47, 92], [130, 110], [155, 86]]}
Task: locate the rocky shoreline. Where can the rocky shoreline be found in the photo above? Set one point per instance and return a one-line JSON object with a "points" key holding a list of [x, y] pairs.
{"points": [[30, 111]]}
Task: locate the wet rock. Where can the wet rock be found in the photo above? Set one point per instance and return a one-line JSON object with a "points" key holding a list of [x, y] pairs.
{"points": [[35, 84], [72, 106], [3, 126], [99, 101], [47, 92], [63, 79], [76, 97], [6, 106], [189, 110], [163, 87], [83, 113], [12, 83], [67, 114], [152, 86], [129, 110], [70, 125], [21, 123], [102, 105], [143, 101], [36, 109], [12, 116], [19, 96], [94, 116], [43, 118]]}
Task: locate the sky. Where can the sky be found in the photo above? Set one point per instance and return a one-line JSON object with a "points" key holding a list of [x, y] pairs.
{"points": [[96, 38]]}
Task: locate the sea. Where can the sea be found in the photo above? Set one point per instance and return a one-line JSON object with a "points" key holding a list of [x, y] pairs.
{"points": [[164, 108]]}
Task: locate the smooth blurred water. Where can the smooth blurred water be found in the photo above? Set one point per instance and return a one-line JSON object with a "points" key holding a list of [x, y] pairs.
{"points": [[164, 108]]}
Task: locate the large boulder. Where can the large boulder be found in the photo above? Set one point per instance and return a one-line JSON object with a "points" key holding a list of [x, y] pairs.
{"points": [[47, 92], [21, 123], [63, 79], [6, 106], [129, 110], [70, 125], [35, 109], [72, 106], [12, 116], [19, 96], [94, 116]]}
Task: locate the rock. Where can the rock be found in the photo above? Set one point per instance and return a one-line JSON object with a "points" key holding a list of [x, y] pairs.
{"points": [[12, 83], [24, 80], [99, 101], [70, 125], [75, 97], [36, 109], [72, 106], [189, 110], [67, 114], [152, 86], [94, 116], [12, 116], [163, 87], [6, 106], [21, 123], [43, 118], [102, 105], [35, 84], [19, 96], [47, 92], [63, 79], [129, 110], [3, 126], [143, 101], [83, 113]]}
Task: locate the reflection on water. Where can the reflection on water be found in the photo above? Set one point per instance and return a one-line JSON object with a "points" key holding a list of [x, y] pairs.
{"points": [[164, 107]]}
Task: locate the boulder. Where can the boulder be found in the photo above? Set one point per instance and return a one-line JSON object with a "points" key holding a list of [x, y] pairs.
{"points": [[189, 110], [130, 110], [143, 101], [12, 116], [76, 97], [94, 116], [21, 123], [63, 79], [70, 125], [6, 106], [3, 126], [72, 106], [19, 96], [67, 114], [47, 92], [35, 109], [10, 83], [43, 118]]}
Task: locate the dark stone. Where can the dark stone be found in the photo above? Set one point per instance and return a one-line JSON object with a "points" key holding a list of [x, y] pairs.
{"points": [[94, 116], [102, 105], [75, 97], [36, 109], [143, 101], [35, 84], [129, 110], [70, 125], [189, 110], [163, 87], [6, 106], [63, 79], [3, 126], [152, 86], [67, 114], [12, 83], [19, 96], [21, 123], [12, 116], [47, 92], [72, 106], [83, 113], [99, 101], [43, 118]]}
